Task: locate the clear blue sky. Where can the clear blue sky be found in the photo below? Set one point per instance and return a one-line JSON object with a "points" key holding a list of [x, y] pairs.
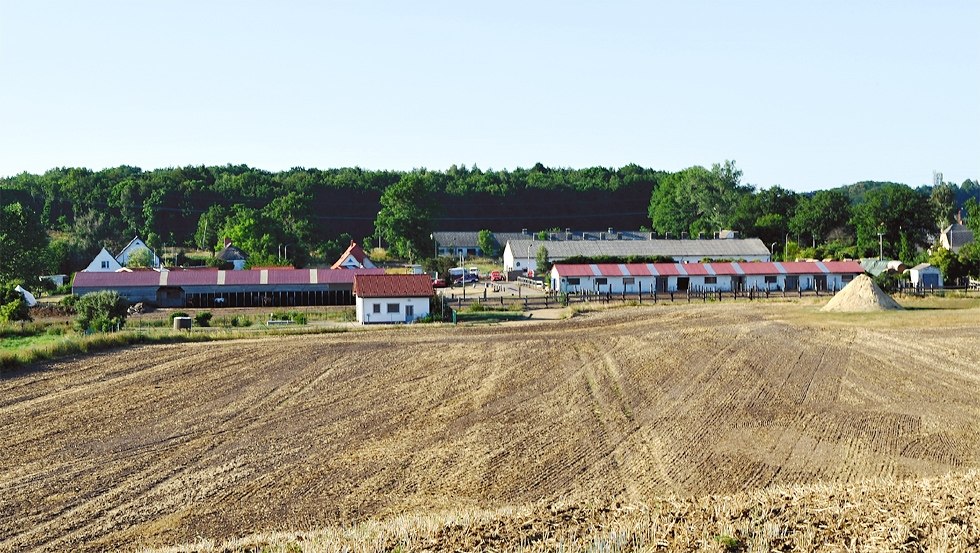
{"points": [[806, 95]]}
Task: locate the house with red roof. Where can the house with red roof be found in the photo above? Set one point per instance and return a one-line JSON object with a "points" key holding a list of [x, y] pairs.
{"points": [[392, 298], [633, 278], [353, 258]]}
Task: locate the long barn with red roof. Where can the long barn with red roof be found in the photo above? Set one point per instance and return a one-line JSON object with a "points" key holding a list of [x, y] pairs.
{"points": [[633, 278], [216, 288]]}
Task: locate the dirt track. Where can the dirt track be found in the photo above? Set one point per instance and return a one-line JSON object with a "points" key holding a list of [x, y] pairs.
{"points": [[164, 444]]}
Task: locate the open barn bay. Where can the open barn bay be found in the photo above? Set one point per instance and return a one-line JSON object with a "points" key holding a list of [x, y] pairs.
{"points": [[157, 445]]}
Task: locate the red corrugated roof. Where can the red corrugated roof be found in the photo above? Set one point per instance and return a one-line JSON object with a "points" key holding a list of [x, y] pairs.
{"points": [[393, 286], [578, 270], [696, 269], [724, 269], [701, 269], [759, 268], [86, 279], [843, 267], [610, 269]]}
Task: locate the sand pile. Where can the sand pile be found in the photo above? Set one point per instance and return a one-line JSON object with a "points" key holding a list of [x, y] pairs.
{"points": [[862, 294]]}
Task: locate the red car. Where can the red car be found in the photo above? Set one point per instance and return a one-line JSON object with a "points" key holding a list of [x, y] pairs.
{"points": [[438, 283], [495, 276]]}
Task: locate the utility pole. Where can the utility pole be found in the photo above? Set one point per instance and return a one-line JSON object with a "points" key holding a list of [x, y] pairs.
{"points": [[881, 249]]}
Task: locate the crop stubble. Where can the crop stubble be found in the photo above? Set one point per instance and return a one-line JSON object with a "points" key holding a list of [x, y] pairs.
{"points": [[164, 444]]}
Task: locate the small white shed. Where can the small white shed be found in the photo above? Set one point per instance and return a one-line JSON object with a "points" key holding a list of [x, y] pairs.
{"points": [[392, 298], [926, 276]]}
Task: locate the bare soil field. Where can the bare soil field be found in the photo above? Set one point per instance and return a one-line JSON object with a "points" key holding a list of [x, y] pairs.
{"points": [[157, 445]]}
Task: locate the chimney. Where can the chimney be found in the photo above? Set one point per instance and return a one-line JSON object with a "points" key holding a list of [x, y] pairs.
{"points": [[959, 216], [568, 233], [700, 236], [683, 236], [653, 236], [227, 241]]}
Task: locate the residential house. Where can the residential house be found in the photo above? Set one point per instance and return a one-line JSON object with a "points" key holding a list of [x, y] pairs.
{"points": [[353, 258]]}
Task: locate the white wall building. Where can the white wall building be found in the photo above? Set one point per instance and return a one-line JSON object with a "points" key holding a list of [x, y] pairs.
{"points": [[135, 244], [392, 298], [926, 276], [104, 262], [520, 255], [633, 278]]}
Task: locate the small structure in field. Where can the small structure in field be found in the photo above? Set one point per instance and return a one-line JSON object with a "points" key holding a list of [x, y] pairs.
{"points": [[862, 294], [926, 276], [392, 298]]}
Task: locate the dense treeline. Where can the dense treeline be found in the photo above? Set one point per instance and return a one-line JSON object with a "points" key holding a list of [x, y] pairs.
{"points": [[312, 211], [304, 216]]}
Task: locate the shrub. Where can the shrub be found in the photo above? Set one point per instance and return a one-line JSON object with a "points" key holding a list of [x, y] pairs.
{"points": [[176, 314], [203, 318], [103, 311]]}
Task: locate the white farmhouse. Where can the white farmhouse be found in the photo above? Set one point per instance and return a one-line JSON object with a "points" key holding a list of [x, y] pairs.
{"points": [[104, 262], [136, 244], [392, 298]]}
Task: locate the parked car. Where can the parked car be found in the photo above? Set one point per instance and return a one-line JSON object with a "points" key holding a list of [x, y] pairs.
{"points": [[438, 283], [467, 278], [495, 276]]}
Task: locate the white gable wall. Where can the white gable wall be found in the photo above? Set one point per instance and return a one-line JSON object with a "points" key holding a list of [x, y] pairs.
{"points": [[123, 257], [390, 310], [103, 263]]}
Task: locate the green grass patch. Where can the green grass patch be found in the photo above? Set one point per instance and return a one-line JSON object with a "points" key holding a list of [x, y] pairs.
{"points": [[33, 349]]}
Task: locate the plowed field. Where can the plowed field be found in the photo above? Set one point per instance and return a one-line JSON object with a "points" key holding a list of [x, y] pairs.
{"points": [[166, 444]]}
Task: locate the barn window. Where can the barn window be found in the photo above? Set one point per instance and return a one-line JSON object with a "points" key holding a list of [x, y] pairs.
{"points": [[573, 281], [846, 278], [710, 280], [393, 308], [105, 264], [770, 280], [600, 282], [628, 281], [377, 308]]}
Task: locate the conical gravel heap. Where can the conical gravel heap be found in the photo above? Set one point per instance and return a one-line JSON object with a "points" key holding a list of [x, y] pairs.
{"points": [[862, 294]]}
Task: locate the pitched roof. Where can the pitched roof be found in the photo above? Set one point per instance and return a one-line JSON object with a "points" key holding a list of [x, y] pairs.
{"points": [[231, 253], [956, 236], [216, 278], [729, 248], [707, 269], [393, 286], [356, 252]]}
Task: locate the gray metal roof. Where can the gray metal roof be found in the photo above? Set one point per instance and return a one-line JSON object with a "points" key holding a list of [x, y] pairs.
{"points": [[717, 249], [469, 238]]}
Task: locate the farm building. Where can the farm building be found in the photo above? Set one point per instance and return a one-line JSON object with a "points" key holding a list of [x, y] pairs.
{"points": [[633, 278], [353, 258], [520, 255], [216, 288], [104, 262], [874, 266], [392, 298], [467, 243], [233, 255], [926, 276]]}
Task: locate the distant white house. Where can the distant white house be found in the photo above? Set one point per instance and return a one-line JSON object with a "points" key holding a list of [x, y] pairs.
{"points": [[353, 258], [392, 298], [134, 245], [104, 262], [926, 276]]}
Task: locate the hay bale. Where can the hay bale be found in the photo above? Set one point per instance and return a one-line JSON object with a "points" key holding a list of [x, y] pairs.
{"points": [[862, 294]]}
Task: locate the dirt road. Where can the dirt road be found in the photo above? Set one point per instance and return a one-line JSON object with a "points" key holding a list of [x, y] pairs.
{"points": [[165, 444]]}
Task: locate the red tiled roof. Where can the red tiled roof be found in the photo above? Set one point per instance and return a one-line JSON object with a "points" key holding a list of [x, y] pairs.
{"points": [[393, 286], [355, 251], [760, 268]]}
